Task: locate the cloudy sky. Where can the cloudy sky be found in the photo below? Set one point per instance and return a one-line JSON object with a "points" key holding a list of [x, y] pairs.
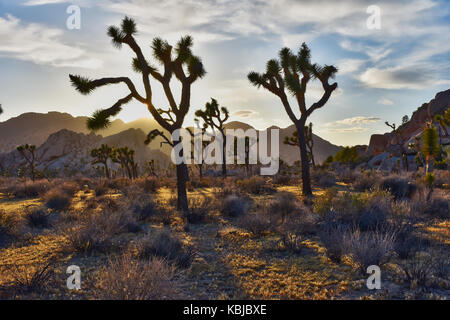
{"points": [[383, 73]]}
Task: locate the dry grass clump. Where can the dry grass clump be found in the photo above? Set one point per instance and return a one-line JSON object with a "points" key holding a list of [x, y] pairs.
{"points": [[149, 184], [257, 224], [12, 227], [199, 210], [27, 279], [366, 181], [57, 199], [20, 189], [38, 217], [162, 244], [254, 185], [127, 278], [234, 206], [369, 248], [96, 230], [283, 205], [333, 240]]}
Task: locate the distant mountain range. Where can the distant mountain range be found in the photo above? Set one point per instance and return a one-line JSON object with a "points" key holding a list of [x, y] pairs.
{"points": [[63, 141]]}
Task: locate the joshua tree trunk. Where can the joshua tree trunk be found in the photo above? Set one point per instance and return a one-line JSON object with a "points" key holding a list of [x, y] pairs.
{"points": [[182, 203], [224, 143], [105, 164], [306, 180]]}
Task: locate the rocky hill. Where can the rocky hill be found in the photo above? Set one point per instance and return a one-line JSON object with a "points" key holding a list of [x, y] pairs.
{"points": [[67, 152], [380, 143]]}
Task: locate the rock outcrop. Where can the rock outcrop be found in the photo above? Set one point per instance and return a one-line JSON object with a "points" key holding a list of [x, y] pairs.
{"points": [[380, 143]]}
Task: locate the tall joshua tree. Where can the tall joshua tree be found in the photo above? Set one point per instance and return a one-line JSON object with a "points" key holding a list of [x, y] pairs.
{"points": [[215, 117], [293, 141], [28, 152], [178, 61], [293, 72], [102, 155]]}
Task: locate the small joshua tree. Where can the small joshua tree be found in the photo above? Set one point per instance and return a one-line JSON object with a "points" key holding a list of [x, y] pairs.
{"points": [[178, 61], [293, 72], [28, 152], [293, 141], [125, 157], [400, 140], [215, 117], [430, 145], [102, 155]]}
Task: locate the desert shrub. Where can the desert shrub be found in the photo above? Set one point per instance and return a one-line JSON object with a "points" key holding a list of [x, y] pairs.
{"points": [[441, 263], [332, 237], [34, 278], [149, 184], [257, 224], [126, 278], [323, 178], [254, 185], [283, 205], [26, 189], [369, 248], [368, 210], [291, 242], [282, 179], [101, 188], [162, 244], [145, 208], [204, 182], [438, 208], [418, 269], [322, 204], [95, 230], [442, 178], [398, 186], [12, 226], [38, 217], [57, 199], [348, 175], [199, 209], [234, 206], [365, 182], [406, 243]]}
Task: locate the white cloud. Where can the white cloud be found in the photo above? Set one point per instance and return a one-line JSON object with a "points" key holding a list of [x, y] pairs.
{"points": [[349, 65], [244, 113], [354, 120], [347, 130], [400, 78], [41, 45], [385, 101]]}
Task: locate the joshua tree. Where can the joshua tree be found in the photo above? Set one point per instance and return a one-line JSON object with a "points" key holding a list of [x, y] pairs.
{"points": [[178, 61], [125, 157], [400, 140], [198, 148], [293, 72], [215, 117], [102, 155], [28, 152], [444, 122], [430, 145], [293, 141]]}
